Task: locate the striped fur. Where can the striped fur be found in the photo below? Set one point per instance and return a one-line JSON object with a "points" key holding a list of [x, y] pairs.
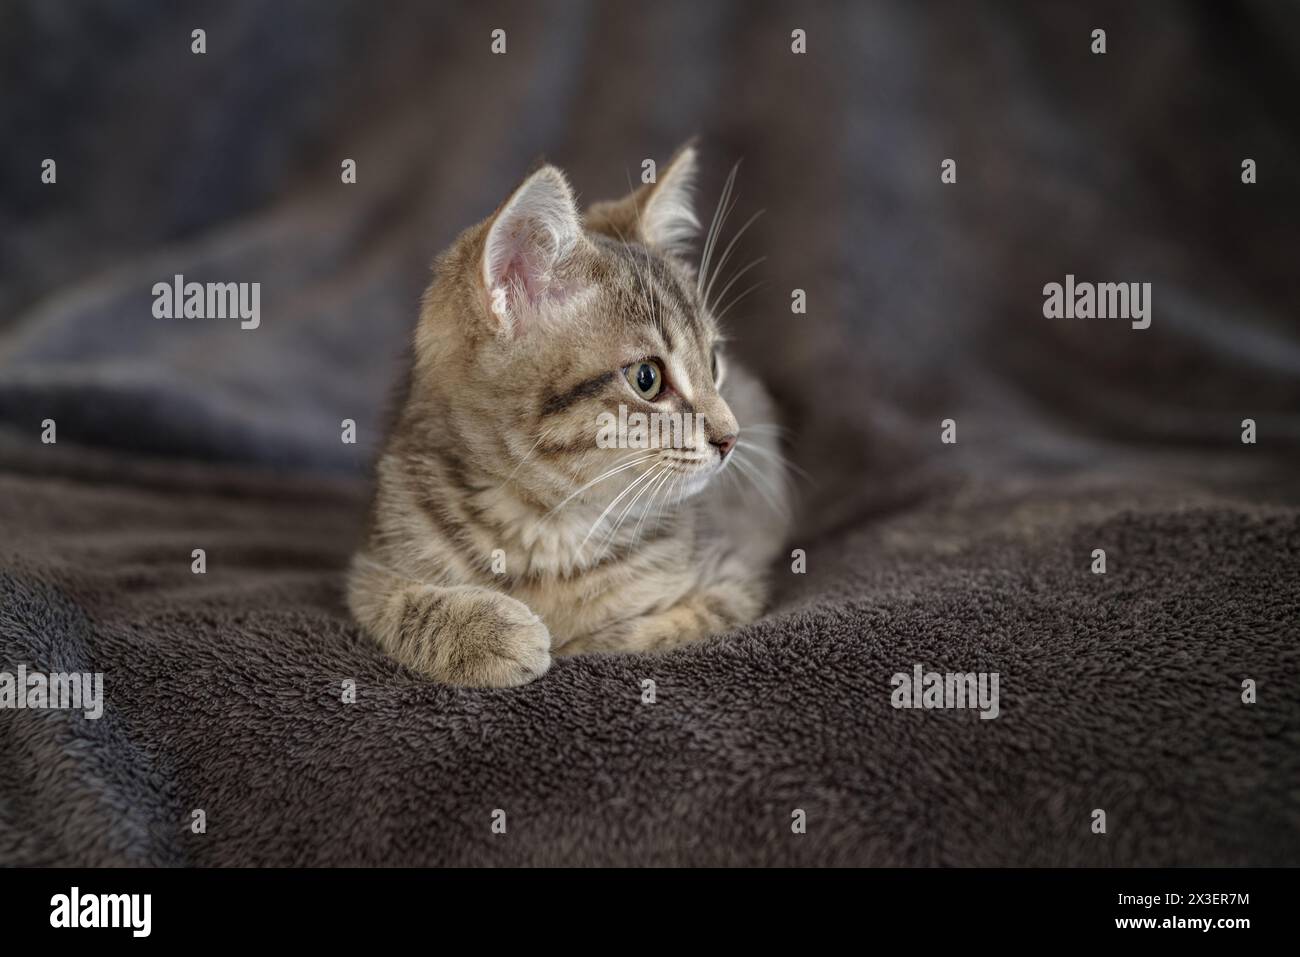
{"points": [[494, 540]]}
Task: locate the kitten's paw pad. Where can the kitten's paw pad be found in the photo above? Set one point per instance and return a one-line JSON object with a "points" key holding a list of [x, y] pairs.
{"points": [[493, 641]]}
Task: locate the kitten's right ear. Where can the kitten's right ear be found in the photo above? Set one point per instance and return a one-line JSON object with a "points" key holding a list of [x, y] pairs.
{"points": [[660, 214], [529, 237]]}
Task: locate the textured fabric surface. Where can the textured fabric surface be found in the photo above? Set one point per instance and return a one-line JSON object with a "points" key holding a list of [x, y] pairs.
{"points": [[1119, 691]]}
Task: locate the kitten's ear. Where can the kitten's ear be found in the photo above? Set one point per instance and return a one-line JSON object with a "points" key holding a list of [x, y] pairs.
{"points": [[668, 220], [530, 236], [660, 214]]}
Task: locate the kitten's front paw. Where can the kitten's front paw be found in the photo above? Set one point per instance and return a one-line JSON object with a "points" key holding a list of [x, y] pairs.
{"points": [[481, 638]]}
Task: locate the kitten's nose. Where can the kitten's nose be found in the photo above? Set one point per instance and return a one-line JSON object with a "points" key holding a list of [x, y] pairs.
{"points": [[724, 444]]}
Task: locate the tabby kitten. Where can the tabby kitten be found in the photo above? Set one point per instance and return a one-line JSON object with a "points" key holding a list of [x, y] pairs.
{"points": [[502, 532]]}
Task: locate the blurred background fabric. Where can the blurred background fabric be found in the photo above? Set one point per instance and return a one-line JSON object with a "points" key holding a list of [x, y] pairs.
{"points": [[924, 299], [924, 303]]}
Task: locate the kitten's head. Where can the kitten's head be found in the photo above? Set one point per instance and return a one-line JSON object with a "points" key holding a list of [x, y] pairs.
{"points": [[542, 322]]}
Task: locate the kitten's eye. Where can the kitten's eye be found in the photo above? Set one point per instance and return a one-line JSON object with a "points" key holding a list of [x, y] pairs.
{"points": [[717, 369], [646, 377]]}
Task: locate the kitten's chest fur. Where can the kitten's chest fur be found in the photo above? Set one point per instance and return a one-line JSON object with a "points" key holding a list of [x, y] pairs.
{"points": [[581, 579]]}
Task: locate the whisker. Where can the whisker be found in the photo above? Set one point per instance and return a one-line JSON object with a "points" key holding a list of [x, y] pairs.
{"points": [[726, 254], [778, 458], [720, 214], [676, 482], [654, 494], [610, 507], [613, 532], [760, 484], [736, 278], [599, 478], [757, 285]]}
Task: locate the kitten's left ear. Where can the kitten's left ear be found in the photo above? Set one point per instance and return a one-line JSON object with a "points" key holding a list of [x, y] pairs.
{"points": [[660, 214], [530, 237]]}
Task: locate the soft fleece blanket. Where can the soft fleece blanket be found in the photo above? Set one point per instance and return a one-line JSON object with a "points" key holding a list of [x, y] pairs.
{"points": [[223, 692]]}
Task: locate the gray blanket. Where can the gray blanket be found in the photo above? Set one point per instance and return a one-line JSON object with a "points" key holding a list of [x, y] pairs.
{"points": [[774, 744]]}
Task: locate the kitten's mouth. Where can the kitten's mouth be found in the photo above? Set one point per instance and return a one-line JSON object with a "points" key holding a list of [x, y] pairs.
{"points": [[692, 462], [696, 469]]}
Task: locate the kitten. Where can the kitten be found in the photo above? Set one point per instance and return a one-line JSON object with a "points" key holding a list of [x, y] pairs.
{"points": [[502, 532]]}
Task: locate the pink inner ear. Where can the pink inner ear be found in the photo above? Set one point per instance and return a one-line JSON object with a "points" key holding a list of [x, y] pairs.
{"points": [[524, 272], [519, 265]]}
